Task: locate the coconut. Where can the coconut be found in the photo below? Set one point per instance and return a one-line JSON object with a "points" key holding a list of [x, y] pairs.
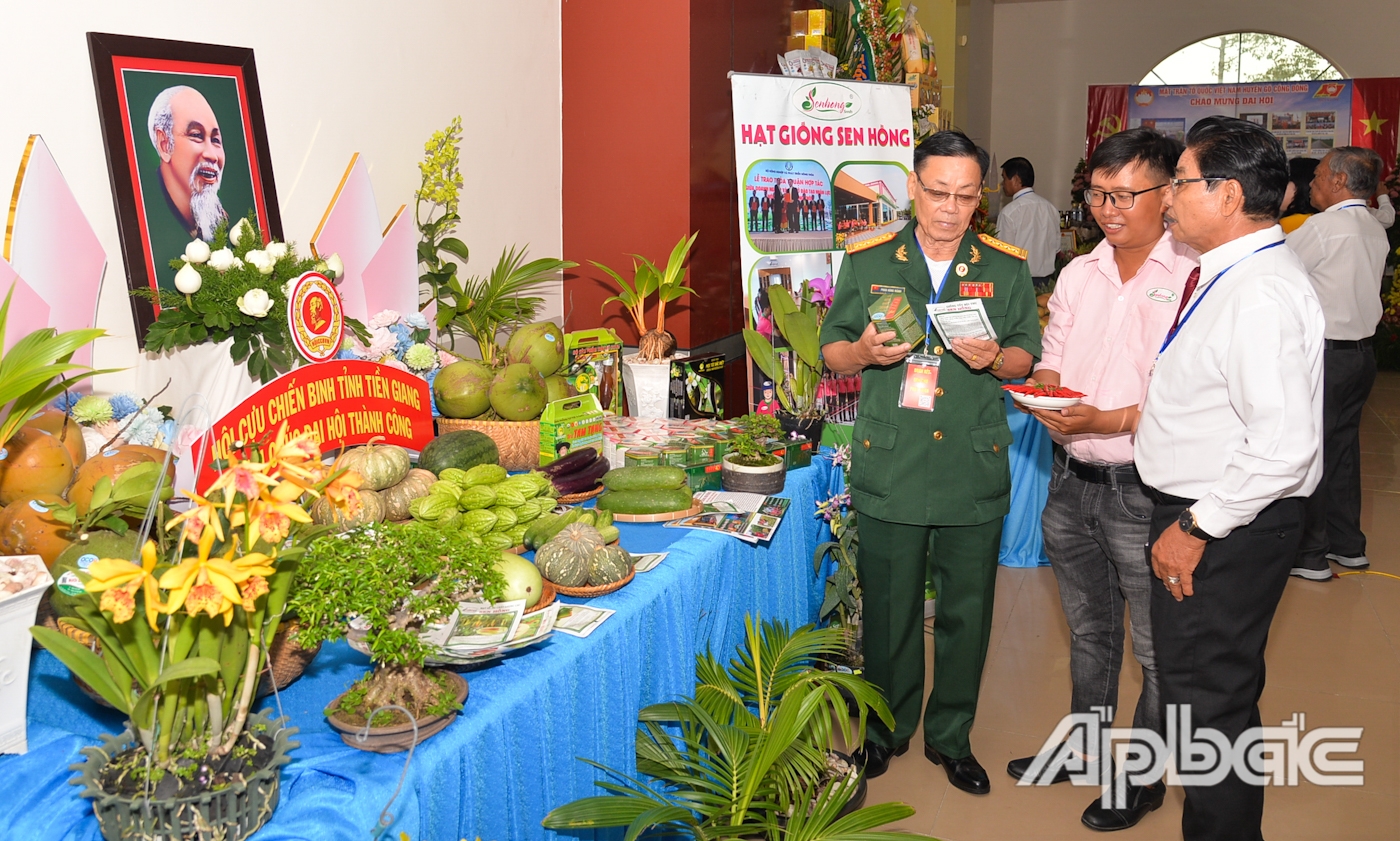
{"points": [[555, 388], [33, 461], [518, 392], [523, 579], [462, 389], [111, 463], [54, 421], [80, 554], [28, 527], [540, 344]]}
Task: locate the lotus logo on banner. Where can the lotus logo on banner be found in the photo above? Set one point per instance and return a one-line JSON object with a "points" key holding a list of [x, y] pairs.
{"points": [[826, 101]]}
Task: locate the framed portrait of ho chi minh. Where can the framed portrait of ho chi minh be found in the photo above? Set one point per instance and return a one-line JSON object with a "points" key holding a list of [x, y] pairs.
{"points": [[186, 150]]}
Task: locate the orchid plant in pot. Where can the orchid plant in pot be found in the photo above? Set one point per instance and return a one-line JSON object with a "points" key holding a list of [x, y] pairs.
{"points": [[795, 371], [185, 636]]}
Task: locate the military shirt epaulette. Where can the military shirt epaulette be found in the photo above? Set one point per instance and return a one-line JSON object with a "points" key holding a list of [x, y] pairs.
{"points": [[852, 248], [1003, 247]]}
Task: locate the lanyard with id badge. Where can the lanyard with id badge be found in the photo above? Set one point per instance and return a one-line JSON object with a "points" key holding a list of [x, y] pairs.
{"points": [[919, 388]]}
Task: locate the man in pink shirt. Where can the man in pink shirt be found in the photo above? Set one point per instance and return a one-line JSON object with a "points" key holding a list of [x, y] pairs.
{"points": [[1109, 313]]}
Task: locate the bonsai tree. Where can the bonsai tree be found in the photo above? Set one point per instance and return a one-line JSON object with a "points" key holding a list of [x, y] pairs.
{"points": [[751, 753], [395, 580], [749, 446], [799, 323], [666, 284]]}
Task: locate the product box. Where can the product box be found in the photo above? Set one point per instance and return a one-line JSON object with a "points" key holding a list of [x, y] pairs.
{"points": [[802, 42], [697, 387], [922, 89], [891, 311], [569, 424], [799, 23], [593, 364], [799, 453], [819, 21], [705, 477]]}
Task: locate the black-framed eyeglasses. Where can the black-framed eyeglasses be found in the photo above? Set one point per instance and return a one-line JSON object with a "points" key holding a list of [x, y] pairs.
{"points": [[1177, 182], [941, 196], [1121, 199]]}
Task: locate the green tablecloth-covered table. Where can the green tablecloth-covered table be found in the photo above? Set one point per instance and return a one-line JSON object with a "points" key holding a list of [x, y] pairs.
{"points": [[510, 756]]}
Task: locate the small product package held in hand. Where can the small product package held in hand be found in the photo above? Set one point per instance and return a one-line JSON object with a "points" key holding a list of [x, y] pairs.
{"points": [[891, 312]]}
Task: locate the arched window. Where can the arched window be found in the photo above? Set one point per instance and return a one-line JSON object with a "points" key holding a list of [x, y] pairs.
{"points": [[1242, 57]]}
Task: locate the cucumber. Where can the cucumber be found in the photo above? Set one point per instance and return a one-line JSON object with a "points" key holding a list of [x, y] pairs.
{"points": [[644, 479], [646, 501], [546, 527], [608, 533]]}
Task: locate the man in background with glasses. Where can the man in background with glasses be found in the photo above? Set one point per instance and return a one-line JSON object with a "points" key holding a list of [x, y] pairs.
{"points": [[930, 475], [1109, 313], [1028, 220], [1228, 446]]}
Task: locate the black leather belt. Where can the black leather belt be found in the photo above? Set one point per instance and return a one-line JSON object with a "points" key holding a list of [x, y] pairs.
{"points": [[1345, 344], [1167, 499], [1105, 474]]}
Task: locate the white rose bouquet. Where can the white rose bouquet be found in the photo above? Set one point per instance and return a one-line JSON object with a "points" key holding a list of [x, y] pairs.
{"points": [[236, 287]]}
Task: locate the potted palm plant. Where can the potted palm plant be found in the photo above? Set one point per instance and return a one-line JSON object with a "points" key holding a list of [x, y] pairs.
{"points": [[751, 754], [646, 373], [185, 636], [749, 466], [796, 374]]}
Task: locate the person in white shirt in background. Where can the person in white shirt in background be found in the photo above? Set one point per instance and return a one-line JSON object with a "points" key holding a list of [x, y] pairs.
{"points": [[1029, 221], [1344, 249], [1384, 211], [1228, 445]]}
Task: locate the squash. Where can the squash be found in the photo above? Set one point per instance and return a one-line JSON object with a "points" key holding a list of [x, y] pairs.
{"points": [[371, 511], [33, 461], [411, 487], [53, 421], [609, 565], [28, 527], [382, 466], [463, 449], [567, 558]]}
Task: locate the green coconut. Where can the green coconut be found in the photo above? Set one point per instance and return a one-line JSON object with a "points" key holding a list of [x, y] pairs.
{"points": [[518, 393], [555, 388], [540, 344], [78, 557], [523, 580], [463, 389]]}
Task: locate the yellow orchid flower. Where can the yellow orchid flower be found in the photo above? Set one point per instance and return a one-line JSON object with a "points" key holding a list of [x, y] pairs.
{"points": [[271, 518], [204, 572], [202, 513], [296, 457], [247, 478], [343, 492], [115, 576]]}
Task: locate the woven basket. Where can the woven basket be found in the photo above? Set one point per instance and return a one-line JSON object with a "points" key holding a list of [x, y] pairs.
{"points": [[546, 598], [575, 499], [518, 441], [593, 592]]}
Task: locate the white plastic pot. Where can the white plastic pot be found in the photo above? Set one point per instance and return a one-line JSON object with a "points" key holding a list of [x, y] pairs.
{"points": [[16, 616], [646, 384]]}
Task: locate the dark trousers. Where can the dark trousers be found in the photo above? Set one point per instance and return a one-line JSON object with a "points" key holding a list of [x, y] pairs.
{"points": [[893, 562], [1334, 509], [1210, 651]]}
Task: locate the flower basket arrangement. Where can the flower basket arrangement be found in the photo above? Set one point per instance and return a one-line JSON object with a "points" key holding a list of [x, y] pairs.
{"points": [[185, 629]]}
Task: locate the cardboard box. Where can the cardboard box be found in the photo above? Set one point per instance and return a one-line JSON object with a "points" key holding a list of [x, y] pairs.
{"points": [[697, 387], [799, 454], [593, 365], [705, 477], [799, 23], [891, 311], [569, 424], [819, 22]]}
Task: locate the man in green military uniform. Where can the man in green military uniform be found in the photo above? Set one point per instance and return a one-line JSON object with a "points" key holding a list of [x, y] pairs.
{"points": [[931, 485]]}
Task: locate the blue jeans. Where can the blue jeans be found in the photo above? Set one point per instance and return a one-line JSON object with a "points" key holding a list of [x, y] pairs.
{"points": [[1095, 537]]}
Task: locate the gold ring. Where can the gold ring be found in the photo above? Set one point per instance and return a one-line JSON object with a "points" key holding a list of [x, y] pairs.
{"points": [[974, 357]]}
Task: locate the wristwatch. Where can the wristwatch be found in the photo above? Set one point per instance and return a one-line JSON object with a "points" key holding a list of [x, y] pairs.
{"points": [[1187, 522], [999, 361]]}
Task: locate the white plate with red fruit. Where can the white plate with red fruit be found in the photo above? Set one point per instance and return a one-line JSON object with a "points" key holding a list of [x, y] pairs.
{"points": [[1044, 396]]}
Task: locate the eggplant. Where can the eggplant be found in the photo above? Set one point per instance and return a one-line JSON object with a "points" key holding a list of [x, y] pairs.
{"points": [[581, 481], [571, 463]]}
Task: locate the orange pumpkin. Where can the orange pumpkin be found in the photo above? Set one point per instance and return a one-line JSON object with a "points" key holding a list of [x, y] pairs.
{"points": [[33, 461], [112, 463], [27, 527], [54, 421]]}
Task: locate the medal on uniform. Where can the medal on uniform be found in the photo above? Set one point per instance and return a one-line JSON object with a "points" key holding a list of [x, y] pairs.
{"points": [[975, 289], [920, 386], [960, 270]]}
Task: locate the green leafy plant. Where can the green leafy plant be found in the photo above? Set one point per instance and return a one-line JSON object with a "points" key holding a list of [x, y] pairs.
{"points": [[112, 502], [749, 754], [749, 445], [485, 307], [394, 579], [38, 369], [799, 323], [841, 606], [666, 284], [238, 291], [435, 210]]}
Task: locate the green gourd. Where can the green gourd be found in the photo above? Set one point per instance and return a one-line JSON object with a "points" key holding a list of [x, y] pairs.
{"points": [[496, 540], [567, 558], [644, 478], [400, 496], [484, 474], [463, 449], [609, 565], [516, 535], [477, 496], [479, 521], [509, 496], [547, 526], [646, 502], [608, 533], [505, 518]]}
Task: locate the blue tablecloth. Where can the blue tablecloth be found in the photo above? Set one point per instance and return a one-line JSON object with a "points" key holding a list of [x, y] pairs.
{"points": [[1021, 544], [510, 756]]}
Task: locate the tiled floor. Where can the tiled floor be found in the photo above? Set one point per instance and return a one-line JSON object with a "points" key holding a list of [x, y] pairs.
{"points": [[1334, 654]]}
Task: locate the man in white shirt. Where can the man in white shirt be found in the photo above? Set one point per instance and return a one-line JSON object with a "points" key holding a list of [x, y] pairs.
{"points": [[1344, 249], [1029, 221], [1384, 211], [1228, 443]]}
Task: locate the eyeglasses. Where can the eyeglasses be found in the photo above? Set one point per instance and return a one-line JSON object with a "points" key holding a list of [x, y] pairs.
{"points": [[1177, 182], [1121, 199], [939, 196]]}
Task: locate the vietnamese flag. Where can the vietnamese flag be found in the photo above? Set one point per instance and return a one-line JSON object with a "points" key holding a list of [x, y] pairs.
{"points": [[1375, 118]]}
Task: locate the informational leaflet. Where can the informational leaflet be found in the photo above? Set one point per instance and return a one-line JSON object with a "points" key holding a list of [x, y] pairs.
{"points": [[753, 518], [650, 560], [961, 320], [578, 620]]}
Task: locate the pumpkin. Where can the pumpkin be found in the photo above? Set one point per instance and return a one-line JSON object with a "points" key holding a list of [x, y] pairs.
{"points": [[33, 461], [567, 558], [411, 487], [382, 466], [28, 527], [111, 463], [609, 565], [53, 421], [371, 511]]}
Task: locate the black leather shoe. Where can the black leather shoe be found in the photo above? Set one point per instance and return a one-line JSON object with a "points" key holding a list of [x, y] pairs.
{"points": [[875, 759], [1017, 768], [1141, 800], [966, 773]]}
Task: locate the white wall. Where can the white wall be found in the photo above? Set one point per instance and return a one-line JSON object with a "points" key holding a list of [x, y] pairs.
{"points": [[1048, 51], [337, 77]]}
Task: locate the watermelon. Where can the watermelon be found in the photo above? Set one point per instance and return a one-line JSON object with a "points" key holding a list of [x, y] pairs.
{"points": [[463, 450]]}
